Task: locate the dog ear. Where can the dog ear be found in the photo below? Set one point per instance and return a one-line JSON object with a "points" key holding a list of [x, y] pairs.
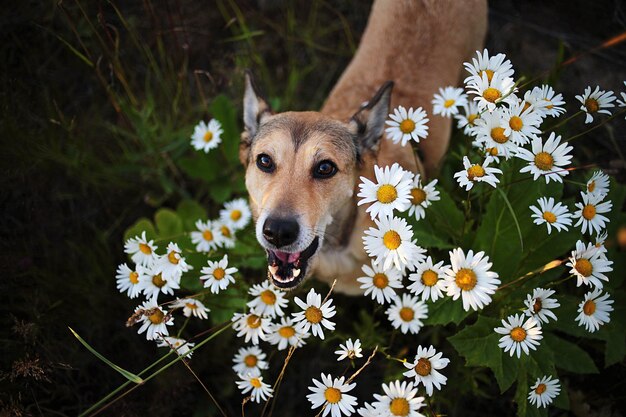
{"points": [[368, 124], [255, 109]]}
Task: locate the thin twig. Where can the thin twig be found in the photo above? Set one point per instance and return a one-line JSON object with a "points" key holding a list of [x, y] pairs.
{"points": [[538, 271], [332, 287], [292, 349]]}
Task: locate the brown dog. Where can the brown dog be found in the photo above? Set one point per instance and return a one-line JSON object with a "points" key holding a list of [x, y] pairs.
{"points": [[303, 168]]}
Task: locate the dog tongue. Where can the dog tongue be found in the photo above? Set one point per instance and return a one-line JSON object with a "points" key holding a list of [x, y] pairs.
{"points": [[287, 257]]}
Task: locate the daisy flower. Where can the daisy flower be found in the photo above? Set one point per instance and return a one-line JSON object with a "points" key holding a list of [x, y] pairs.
{"points": [[192, 307], [491, 130], [622, 102], [331, 394], [470, 278], [472, 173], [206, 136], [350, 350], [390, 192], [519, 335], [237, 213], [368, 410], [448, 101], [467, 120], [552, 102], [553, 215], [154, 320], [522, 124], [180, 346], [259, 390], [406, 125], [600, 239], [379, 283], [425, 368], [249, 361], [598, 183], [315, 315], [489, 93], [407, 314], [595, 102], [217, 275], [483, 64], [226, 233], [547, 159], [590, 211], [141, 251], [429, 280], [589, 265], [153, 282], [594, 310], [172, 265], [539, 305], [544, 391], [422, 196], [128, 280], [251, 326], [207, 237], [399, 400], [285, 334], [390, 243], [268, 301]]}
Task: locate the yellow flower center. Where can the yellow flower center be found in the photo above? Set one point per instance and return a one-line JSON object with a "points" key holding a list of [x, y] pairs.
{"points": [[492, 151], [386, 193], [255, 382], [489, 74], [518, 334], [225, 231], [157, 317], [286, 332], [549, 106], [332, 395], [591, 104], [589, 307], [392, 240], [497, 134], [584, 267], [544, 161], [526, 106], [429, 278], [399, 407], [465, 279], [250, 361], [407, 313], [380, 280], [516, 123], [591, 186], [423, 367], [541, 388], [145, 249], [173, 257], [491, 94], [313, 315], [235, 215], [191, 306], [219, 273], [208, 136], [407, 126], [207, 235], [475, 171], [589, 211], [253, 321], [471, 118], [133, 277], [158, 280], [448, 103], [417, 196], [549, 216], [537, 305], [268, 297]]}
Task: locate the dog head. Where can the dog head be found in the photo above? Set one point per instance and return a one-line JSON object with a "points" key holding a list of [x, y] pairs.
{"points": [[301, 171]]}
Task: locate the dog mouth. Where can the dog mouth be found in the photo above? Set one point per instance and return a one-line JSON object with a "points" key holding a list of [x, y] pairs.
{"points": [[287, 270]]}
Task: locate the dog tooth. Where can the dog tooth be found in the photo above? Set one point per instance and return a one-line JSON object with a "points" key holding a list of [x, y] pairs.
{"points": [[273, 269], [295, 273]]}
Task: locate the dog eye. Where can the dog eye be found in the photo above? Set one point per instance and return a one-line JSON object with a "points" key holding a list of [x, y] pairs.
{"points": [[325, 169], [265, 163]]}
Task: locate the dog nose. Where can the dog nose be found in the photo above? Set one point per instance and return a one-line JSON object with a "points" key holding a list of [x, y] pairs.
{"points": [[280, 232]]}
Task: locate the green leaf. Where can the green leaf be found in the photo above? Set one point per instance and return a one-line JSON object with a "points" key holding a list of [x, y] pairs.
{"points": [[168, 224], [190, 211], [445, 311], [223, 110], [508, 205], [569, 356], [141, 225], [227, 303], [200, 166], [443, 218], [128, 375]]}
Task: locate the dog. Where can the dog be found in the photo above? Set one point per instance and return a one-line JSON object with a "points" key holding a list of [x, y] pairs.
{"points": [[303, 168]]}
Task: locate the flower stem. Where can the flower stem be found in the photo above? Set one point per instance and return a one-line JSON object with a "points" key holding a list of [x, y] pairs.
{"points": [[562, 122], [605, 121]]}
